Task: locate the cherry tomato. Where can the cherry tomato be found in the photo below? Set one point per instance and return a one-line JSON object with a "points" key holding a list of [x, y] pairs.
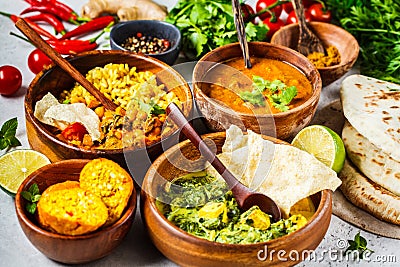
{"points": [[288, 7], [10, 80], [292, 18], [318, 13], [261, 4], [37, 61], [273, 26], [247, 12], [74, 131]]}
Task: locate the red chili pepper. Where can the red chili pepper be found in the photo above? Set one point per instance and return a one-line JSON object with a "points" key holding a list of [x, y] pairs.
{"points": [[75, 131], [49, 8], [71, 49], [90, 26], [49, 18], [34, 26]]}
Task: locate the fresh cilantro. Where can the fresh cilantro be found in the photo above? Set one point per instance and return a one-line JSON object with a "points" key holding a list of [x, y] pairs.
{"points": [[280, 95], [7, 134], [67, 101], [157, 110], [282, 99], [359, 244], [206, 25], [32, 195], [151, 108], [254, 97]]}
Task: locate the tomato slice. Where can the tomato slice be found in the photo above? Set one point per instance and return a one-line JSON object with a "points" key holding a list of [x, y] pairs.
{"points": [[75, 131]]}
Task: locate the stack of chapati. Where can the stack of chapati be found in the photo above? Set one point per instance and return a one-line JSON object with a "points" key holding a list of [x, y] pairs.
{"points": [[371, 135]]}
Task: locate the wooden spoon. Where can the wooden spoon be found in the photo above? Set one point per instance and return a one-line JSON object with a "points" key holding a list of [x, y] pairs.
{"points": [[308, 41], [63, 63], [241, 31], [243, 195]]}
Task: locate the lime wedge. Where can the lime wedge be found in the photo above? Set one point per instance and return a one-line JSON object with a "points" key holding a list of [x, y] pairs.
{"points": [[16, 165], [324, 144]]}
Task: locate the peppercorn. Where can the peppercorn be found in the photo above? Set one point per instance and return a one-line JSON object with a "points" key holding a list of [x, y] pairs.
{"points": [[140, 43]]}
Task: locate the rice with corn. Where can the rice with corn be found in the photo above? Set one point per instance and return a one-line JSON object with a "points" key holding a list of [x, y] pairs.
{"points": [[134, 92]]}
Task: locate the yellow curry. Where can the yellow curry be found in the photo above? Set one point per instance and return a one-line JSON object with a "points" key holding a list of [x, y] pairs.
{"points": [[234, 85]]}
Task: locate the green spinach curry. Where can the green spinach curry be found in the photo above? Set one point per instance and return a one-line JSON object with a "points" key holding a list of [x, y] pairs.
{"points": [[205, 207]]}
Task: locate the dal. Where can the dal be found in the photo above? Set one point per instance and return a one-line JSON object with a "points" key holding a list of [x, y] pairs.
{"points": [[225, 81]]}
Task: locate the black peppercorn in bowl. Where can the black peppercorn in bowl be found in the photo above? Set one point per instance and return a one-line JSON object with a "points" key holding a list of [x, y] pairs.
{"points": [[154, 38]]}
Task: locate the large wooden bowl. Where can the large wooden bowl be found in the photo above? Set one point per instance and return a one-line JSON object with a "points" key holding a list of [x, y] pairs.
{"points": [[330, 35], [65, 248], [283, 125], [55, 80], [187, 250]]}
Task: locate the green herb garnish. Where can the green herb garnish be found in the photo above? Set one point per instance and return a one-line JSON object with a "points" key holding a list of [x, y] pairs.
{"points": [[7, 134], [33, 196], [280, 95], [359, 244], [151, 108], [206, 25], [282, 99], [254, 97]]}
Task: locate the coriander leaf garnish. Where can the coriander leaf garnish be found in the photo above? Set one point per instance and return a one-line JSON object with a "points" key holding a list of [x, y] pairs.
{"points": [[7, 134], [157, 110], [279, 94], [254, 97], [32, 195], [359, 244]]}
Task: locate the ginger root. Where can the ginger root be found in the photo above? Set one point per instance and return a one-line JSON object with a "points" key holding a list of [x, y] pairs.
{"points": [[125, 9]]}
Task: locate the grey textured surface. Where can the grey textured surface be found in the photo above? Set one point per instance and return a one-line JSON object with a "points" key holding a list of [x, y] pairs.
{"points": [[137, 249]]}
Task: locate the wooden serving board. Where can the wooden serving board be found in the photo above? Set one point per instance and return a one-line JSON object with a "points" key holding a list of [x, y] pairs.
{"points": [[332, 117]]}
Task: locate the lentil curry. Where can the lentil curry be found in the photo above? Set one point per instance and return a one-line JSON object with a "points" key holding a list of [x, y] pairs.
{"points": [[270, 86]]}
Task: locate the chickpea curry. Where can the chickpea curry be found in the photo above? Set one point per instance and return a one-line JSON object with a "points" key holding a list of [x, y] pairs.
{"points": [[138, 121], [270, 86]]}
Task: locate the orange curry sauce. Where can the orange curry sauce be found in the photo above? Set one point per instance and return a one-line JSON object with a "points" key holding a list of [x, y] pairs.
{"points": [[224, 83]]}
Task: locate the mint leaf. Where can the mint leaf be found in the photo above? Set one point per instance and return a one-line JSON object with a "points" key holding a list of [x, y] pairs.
{"points": [[31, 207], [27, 195], [34, 189], [359, 244], [7, 134]]}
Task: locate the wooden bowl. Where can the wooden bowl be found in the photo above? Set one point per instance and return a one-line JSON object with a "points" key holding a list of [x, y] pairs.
{"points": [[187, 250], [55, 80], [330, 35], [283, 125], [65, 248]]}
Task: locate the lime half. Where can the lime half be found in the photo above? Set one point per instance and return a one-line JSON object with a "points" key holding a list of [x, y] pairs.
{"points": [[16, 165], [324, 144]]}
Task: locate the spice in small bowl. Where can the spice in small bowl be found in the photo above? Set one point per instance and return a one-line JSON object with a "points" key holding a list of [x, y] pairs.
{"points": [[140, 43]]}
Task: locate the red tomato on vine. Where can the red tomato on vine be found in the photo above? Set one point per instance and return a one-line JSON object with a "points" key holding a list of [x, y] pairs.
{"points": [[261, 4]]}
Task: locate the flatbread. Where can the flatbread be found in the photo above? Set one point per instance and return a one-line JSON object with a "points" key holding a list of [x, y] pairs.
{"points": [[370, 160], [49, 111], [373, 108], [368, 195], [282, 172]]}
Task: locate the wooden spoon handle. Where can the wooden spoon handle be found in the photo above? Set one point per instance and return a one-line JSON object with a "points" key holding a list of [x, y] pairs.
{"points": [[38, 41], [177, 116], [299, 10]]}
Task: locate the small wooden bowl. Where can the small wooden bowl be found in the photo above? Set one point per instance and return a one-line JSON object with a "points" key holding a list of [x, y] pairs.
{"points": [[65, 248], [330, 35], [188, 250], [55, 80], [283, 125]]}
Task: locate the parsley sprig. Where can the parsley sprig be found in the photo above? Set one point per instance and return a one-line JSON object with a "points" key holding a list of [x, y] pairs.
{"points": [[7, 134], [280, 95], [32, 196], [359, 244]]}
